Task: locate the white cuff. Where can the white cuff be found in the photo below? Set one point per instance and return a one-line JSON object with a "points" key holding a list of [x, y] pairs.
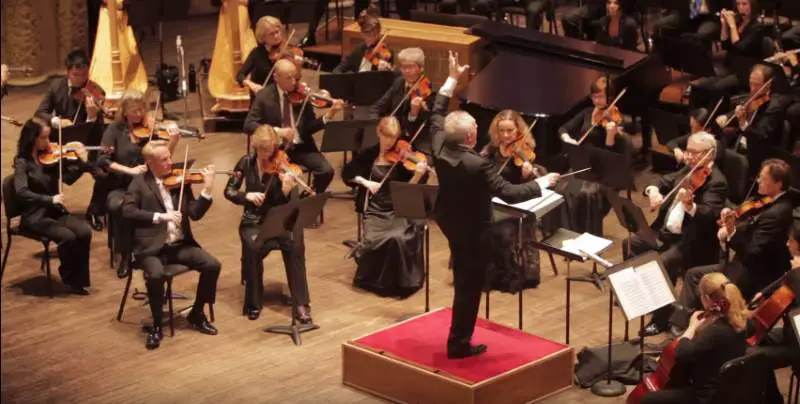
{"points": [[412, 118], [543, 182], [156, 218], [691, 211], [649, 190], [55, 122], [448, 87], [206, 194]]}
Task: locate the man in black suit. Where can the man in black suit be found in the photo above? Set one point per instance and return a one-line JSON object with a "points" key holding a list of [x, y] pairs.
{"points": [[686, 221], [463, 210], [61, 109], [272, 106], [414, 110], [163, 236], [758, 238]]}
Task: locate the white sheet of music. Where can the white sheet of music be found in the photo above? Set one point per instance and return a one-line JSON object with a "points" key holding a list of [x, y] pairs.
{"points": [[641, 290], [586, 242], [654, 282], [538, 206]]}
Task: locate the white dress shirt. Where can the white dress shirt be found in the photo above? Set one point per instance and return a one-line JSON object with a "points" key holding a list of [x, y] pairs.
{"points": [[281, 99], [174, 233]]}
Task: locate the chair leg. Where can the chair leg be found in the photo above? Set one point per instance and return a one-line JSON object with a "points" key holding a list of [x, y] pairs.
{"points": [[171, 311], [46, 261], [110, 243], [125, 296], [5, 257]]}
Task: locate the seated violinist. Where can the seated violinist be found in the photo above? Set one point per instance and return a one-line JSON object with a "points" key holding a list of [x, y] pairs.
{"points": [[757, 233], [388, 255], [714, 336], [64, 104], [277, 105], [162, 235], [616, 28], [409, 99], [605, 122], [756, 126], [126, 136], [38, 196], [265, 188], [686, 221], [270, 36], [697, 118], [371, 55], [513, 267]]}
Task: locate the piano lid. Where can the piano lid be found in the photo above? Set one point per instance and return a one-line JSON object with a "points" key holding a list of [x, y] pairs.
{"points": [[532, 85]]}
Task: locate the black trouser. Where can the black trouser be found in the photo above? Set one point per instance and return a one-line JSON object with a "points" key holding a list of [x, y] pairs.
{"points": [[120, 231], [672, 257], [709, 90], [705, 28], [470, 259], [74, 239], [294, 262], [316, 162], [100, 190], [685, 395], [191, 256], [577, 22]]}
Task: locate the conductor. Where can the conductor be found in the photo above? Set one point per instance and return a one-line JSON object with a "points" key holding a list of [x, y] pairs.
{"points": [[463, 210]]}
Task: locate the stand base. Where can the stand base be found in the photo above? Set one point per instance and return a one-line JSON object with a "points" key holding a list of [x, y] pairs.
{"points": [[595, 278], [605, 388], [293, 330]]}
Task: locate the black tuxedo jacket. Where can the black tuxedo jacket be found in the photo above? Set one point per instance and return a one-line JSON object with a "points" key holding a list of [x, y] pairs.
{"points": [[266, 109], [143, 199], [699, 232], [352, 62], [764, 133], [467, 183], [760, 240], [389, 102], [58, 101], [34, 188]]}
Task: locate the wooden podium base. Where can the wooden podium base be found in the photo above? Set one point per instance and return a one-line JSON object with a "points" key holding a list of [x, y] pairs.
{"points": [[407, 362]]}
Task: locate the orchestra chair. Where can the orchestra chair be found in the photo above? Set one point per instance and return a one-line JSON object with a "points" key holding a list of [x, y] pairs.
{"points": [[170, 272], [742, 380], [735, 167], [12, 211]]}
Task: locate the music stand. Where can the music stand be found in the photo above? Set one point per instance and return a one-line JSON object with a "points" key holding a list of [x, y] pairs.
{"points": [[612, 169], [632, 218], [279, 221], [685, 55], [416, 202], [81, 132], [350, 135]]}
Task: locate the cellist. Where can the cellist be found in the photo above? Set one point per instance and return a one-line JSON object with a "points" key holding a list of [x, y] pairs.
{"points": [[64, 104]]}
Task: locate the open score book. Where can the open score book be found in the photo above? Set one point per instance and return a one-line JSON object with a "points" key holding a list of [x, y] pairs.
{"points": [[642, 289]]}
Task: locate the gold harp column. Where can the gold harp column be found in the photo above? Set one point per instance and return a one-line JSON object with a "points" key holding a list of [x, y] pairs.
{"points": [[39, 34]]}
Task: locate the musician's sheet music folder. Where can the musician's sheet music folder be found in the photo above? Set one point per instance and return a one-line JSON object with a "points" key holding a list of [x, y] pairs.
{"points": [[641, 285], [586, 242], [539, 206]]}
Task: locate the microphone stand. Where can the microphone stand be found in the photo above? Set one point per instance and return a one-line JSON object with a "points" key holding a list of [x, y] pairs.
{"points": [[607, 387]]}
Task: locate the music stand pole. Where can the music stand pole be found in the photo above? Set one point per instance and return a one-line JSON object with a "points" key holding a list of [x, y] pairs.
{"points": [[607, 387]]}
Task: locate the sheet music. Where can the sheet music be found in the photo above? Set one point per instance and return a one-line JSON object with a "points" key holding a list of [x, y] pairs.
{"points": [[538, 206], [586, 242], [654, 282], [631, 294]]}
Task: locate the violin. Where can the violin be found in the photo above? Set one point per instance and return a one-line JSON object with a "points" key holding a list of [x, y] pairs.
{"points": [[191, 176], [424, 88], [54, 153], [520, 151], [606, 116], [403, 153], [746, 207], [302, 91], [144, 132], [91, 89], [279, 163], [699, 177], [292, 53], [753, 103]]}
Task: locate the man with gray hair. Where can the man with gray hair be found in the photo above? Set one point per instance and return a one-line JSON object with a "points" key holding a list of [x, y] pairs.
{"points": [[467, 183], [411, 108], [686, 221]]}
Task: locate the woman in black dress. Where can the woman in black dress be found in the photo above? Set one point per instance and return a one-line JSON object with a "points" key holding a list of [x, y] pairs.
{"points": [[43, 213], [357, 60], [714, 336], [389, 255], [254, 71], [617, 28]]}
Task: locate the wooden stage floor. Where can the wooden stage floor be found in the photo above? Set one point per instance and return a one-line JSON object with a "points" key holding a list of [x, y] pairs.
{"points": [[71, 349]]}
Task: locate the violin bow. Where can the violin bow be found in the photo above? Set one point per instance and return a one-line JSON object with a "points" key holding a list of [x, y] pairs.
{"points": [[711, 115], [527, 132], [697, 166], [378, 44], [283, 49], [153, 127], [391, 169], [305, 100], [183, 178], [60, 162], [594, 125], [749, 100], [408, 94]]}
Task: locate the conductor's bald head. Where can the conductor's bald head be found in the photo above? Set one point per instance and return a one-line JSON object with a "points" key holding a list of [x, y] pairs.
{"points": [[285, 74]]}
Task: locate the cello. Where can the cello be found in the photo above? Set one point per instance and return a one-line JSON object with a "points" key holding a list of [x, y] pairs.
{"points": [[116, 64], [235, 38]]}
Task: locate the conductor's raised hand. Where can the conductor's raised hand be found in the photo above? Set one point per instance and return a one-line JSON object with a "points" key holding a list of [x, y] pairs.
{"points": [[456, 70]]}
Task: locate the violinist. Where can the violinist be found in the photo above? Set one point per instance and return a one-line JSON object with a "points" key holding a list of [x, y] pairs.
{"points": [[270, 36], [126, 160], [616, 28], [686, 221], [64, 104], [757, 126], [263, 190], [388, 255], [274, 106], [43, 213], [714, 336], [371, 55], [697, 118], [163, 236], [411, 104], [757, 233], [606, 122], [512, 266]]}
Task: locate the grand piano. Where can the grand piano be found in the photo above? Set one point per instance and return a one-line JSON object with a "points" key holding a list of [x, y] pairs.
{"points": [[548, 76]]}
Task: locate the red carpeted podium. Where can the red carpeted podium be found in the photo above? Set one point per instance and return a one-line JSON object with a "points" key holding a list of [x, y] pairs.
{"points": [[407, 362]]}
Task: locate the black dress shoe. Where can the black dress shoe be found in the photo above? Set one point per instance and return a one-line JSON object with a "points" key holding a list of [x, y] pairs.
{"points": [[95, 221], [466, 351], [652, 329], [200, 323], [304, 314], [122, 269], [78, 290], [154, 338]]}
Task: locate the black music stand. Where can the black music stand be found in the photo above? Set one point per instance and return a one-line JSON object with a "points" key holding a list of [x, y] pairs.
{"points": [[82, 132], [364, 88], [279, 221], [632, 218], [416, 202], [348, 136]]}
